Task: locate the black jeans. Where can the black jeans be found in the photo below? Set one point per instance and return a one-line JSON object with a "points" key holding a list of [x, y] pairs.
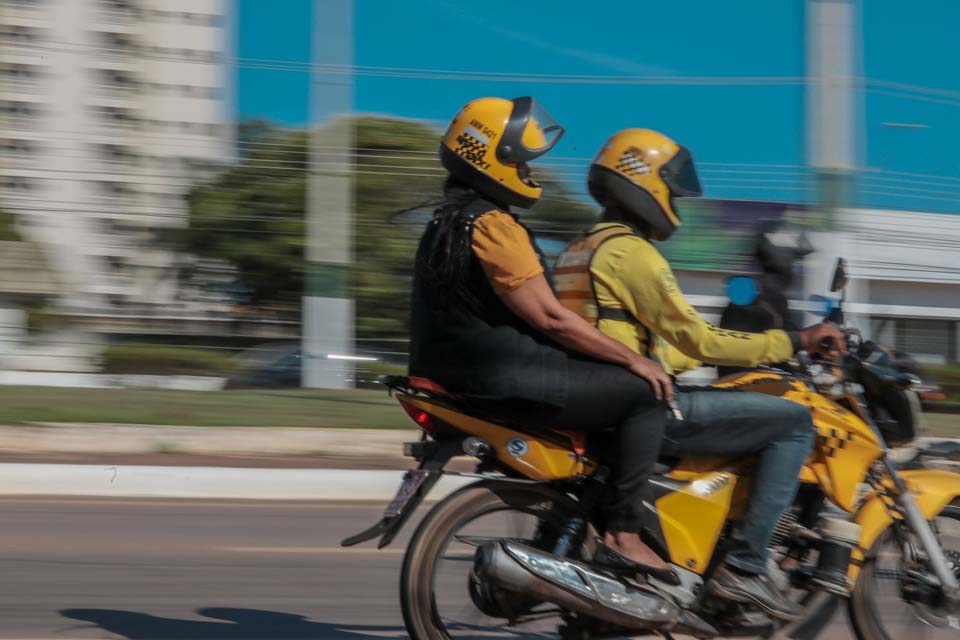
{"points": [[721, 422], [618, 409]]}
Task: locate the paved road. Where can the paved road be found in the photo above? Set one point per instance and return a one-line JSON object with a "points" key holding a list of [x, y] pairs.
{"points": [[177, 569]]}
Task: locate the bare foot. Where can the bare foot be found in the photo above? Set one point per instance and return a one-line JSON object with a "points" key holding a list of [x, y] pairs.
{"points": [[631, 546]]}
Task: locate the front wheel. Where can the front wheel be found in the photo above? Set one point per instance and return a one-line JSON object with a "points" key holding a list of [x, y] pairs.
{"points": [[437, 598], [878, 609]]}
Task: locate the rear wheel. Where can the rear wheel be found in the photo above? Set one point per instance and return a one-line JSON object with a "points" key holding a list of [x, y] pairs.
{"points": [[436, 595], [878, 610]]}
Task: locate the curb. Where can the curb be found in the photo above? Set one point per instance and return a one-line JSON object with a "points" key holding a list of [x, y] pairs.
{"points": [[227, 483]]}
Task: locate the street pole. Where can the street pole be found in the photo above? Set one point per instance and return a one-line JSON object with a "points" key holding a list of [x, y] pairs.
{"points": [[833, 130], [328, 302]]}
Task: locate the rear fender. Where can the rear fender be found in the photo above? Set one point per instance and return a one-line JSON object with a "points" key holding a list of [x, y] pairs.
{"points": [[933, 489], [390, 524]]}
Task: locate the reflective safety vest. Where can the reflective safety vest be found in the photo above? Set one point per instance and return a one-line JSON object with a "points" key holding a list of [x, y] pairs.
{"points": [[574, 282]]}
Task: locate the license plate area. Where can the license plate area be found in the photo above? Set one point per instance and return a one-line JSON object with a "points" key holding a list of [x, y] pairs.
{"points": [[412, 481]]}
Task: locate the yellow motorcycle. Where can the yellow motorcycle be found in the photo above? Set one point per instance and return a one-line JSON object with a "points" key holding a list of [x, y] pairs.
{"points": [[510, 555]]}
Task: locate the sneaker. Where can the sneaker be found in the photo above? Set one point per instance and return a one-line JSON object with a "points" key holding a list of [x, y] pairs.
{"points": [[755, 589]]}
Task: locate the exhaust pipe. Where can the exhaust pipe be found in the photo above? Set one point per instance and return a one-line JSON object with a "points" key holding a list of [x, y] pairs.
{"points": [[574, 586]]}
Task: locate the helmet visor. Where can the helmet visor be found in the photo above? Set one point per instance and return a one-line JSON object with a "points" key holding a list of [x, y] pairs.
{"points": [[530, 132], [680, 175]]}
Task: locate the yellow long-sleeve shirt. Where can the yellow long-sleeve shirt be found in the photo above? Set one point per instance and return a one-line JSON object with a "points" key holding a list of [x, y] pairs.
{"points": [[629, 273]]}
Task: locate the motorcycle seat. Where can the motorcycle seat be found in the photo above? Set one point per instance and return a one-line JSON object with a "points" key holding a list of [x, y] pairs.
{"points": [[424, 386]]}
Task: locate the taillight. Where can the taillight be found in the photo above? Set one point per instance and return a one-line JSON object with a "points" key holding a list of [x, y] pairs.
{"points": [[421, 417]]}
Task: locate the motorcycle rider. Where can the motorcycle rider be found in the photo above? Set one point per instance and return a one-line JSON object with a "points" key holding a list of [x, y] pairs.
{"points": [[615, 278], [776, 250], [487, 326]]}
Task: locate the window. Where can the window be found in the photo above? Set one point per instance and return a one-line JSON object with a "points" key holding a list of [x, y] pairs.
{"points": [[18, 33], [116, 117], [19, 72], [112, 42], [126, 6], [117, 154], [17, 183], [17, 146], [115, 82], [19, 109], [118, 11], [185, 17], [110, 189], [928, 341]]}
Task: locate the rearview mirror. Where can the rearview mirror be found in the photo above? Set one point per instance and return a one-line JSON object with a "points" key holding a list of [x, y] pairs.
{"points": [[839, 275]]}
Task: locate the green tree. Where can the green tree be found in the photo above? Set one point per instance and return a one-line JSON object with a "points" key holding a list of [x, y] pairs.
{"points": [[252, 215], [8, 229]]}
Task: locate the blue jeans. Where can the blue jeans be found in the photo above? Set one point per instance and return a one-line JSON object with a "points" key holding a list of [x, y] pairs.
{"points": [[728, 422]]}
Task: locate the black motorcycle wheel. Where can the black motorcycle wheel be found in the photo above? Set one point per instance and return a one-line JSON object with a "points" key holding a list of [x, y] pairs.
{"points": [[435, 544], [873, 608]]}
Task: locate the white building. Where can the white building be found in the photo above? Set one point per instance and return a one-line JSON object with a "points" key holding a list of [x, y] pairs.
{"points": [[904, 280], [106, 106]]}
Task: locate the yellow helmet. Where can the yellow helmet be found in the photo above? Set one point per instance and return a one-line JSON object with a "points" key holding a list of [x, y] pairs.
{"points": [[640, 172], [489, 141]]}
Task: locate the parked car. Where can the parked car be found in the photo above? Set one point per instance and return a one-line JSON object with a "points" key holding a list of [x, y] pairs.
{"points": [[280, 366], [272, 366]]}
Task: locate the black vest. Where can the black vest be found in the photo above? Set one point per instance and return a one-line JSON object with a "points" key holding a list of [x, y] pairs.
{"points": [[482, 350]]}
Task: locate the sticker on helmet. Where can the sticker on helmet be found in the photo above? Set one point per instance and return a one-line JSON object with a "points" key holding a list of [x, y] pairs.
{"points": [[471, 131], [517, 447], [633, 162], [472, 149], [486, 133]]}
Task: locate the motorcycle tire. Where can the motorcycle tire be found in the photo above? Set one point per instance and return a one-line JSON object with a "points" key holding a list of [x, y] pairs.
{"points": [[417, 600], [861, 609]]}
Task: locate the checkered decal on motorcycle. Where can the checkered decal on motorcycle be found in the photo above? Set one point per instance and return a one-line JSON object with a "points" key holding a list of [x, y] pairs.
{"points": [[633, 162], [834, 440]]}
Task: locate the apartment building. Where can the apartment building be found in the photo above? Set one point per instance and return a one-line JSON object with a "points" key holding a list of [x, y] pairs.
{"points": [[107, 110]]}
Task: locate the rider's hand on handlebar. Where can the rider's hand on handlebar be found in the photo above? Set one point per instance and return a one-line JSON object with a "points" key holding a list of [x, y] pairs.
{"points": [[824, 339], [652, 372]]}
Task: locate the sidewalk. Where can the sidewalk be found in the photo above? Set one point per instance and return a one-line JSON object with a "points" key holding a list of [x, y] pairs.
{"points": [[148, 461], [220, 483], [270, 447]]}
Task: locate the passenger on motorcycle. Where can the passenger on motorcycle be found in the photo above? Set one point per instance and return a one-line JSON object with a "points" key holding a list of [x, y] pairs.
{"points": [[615, 278], [487, 326]]}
